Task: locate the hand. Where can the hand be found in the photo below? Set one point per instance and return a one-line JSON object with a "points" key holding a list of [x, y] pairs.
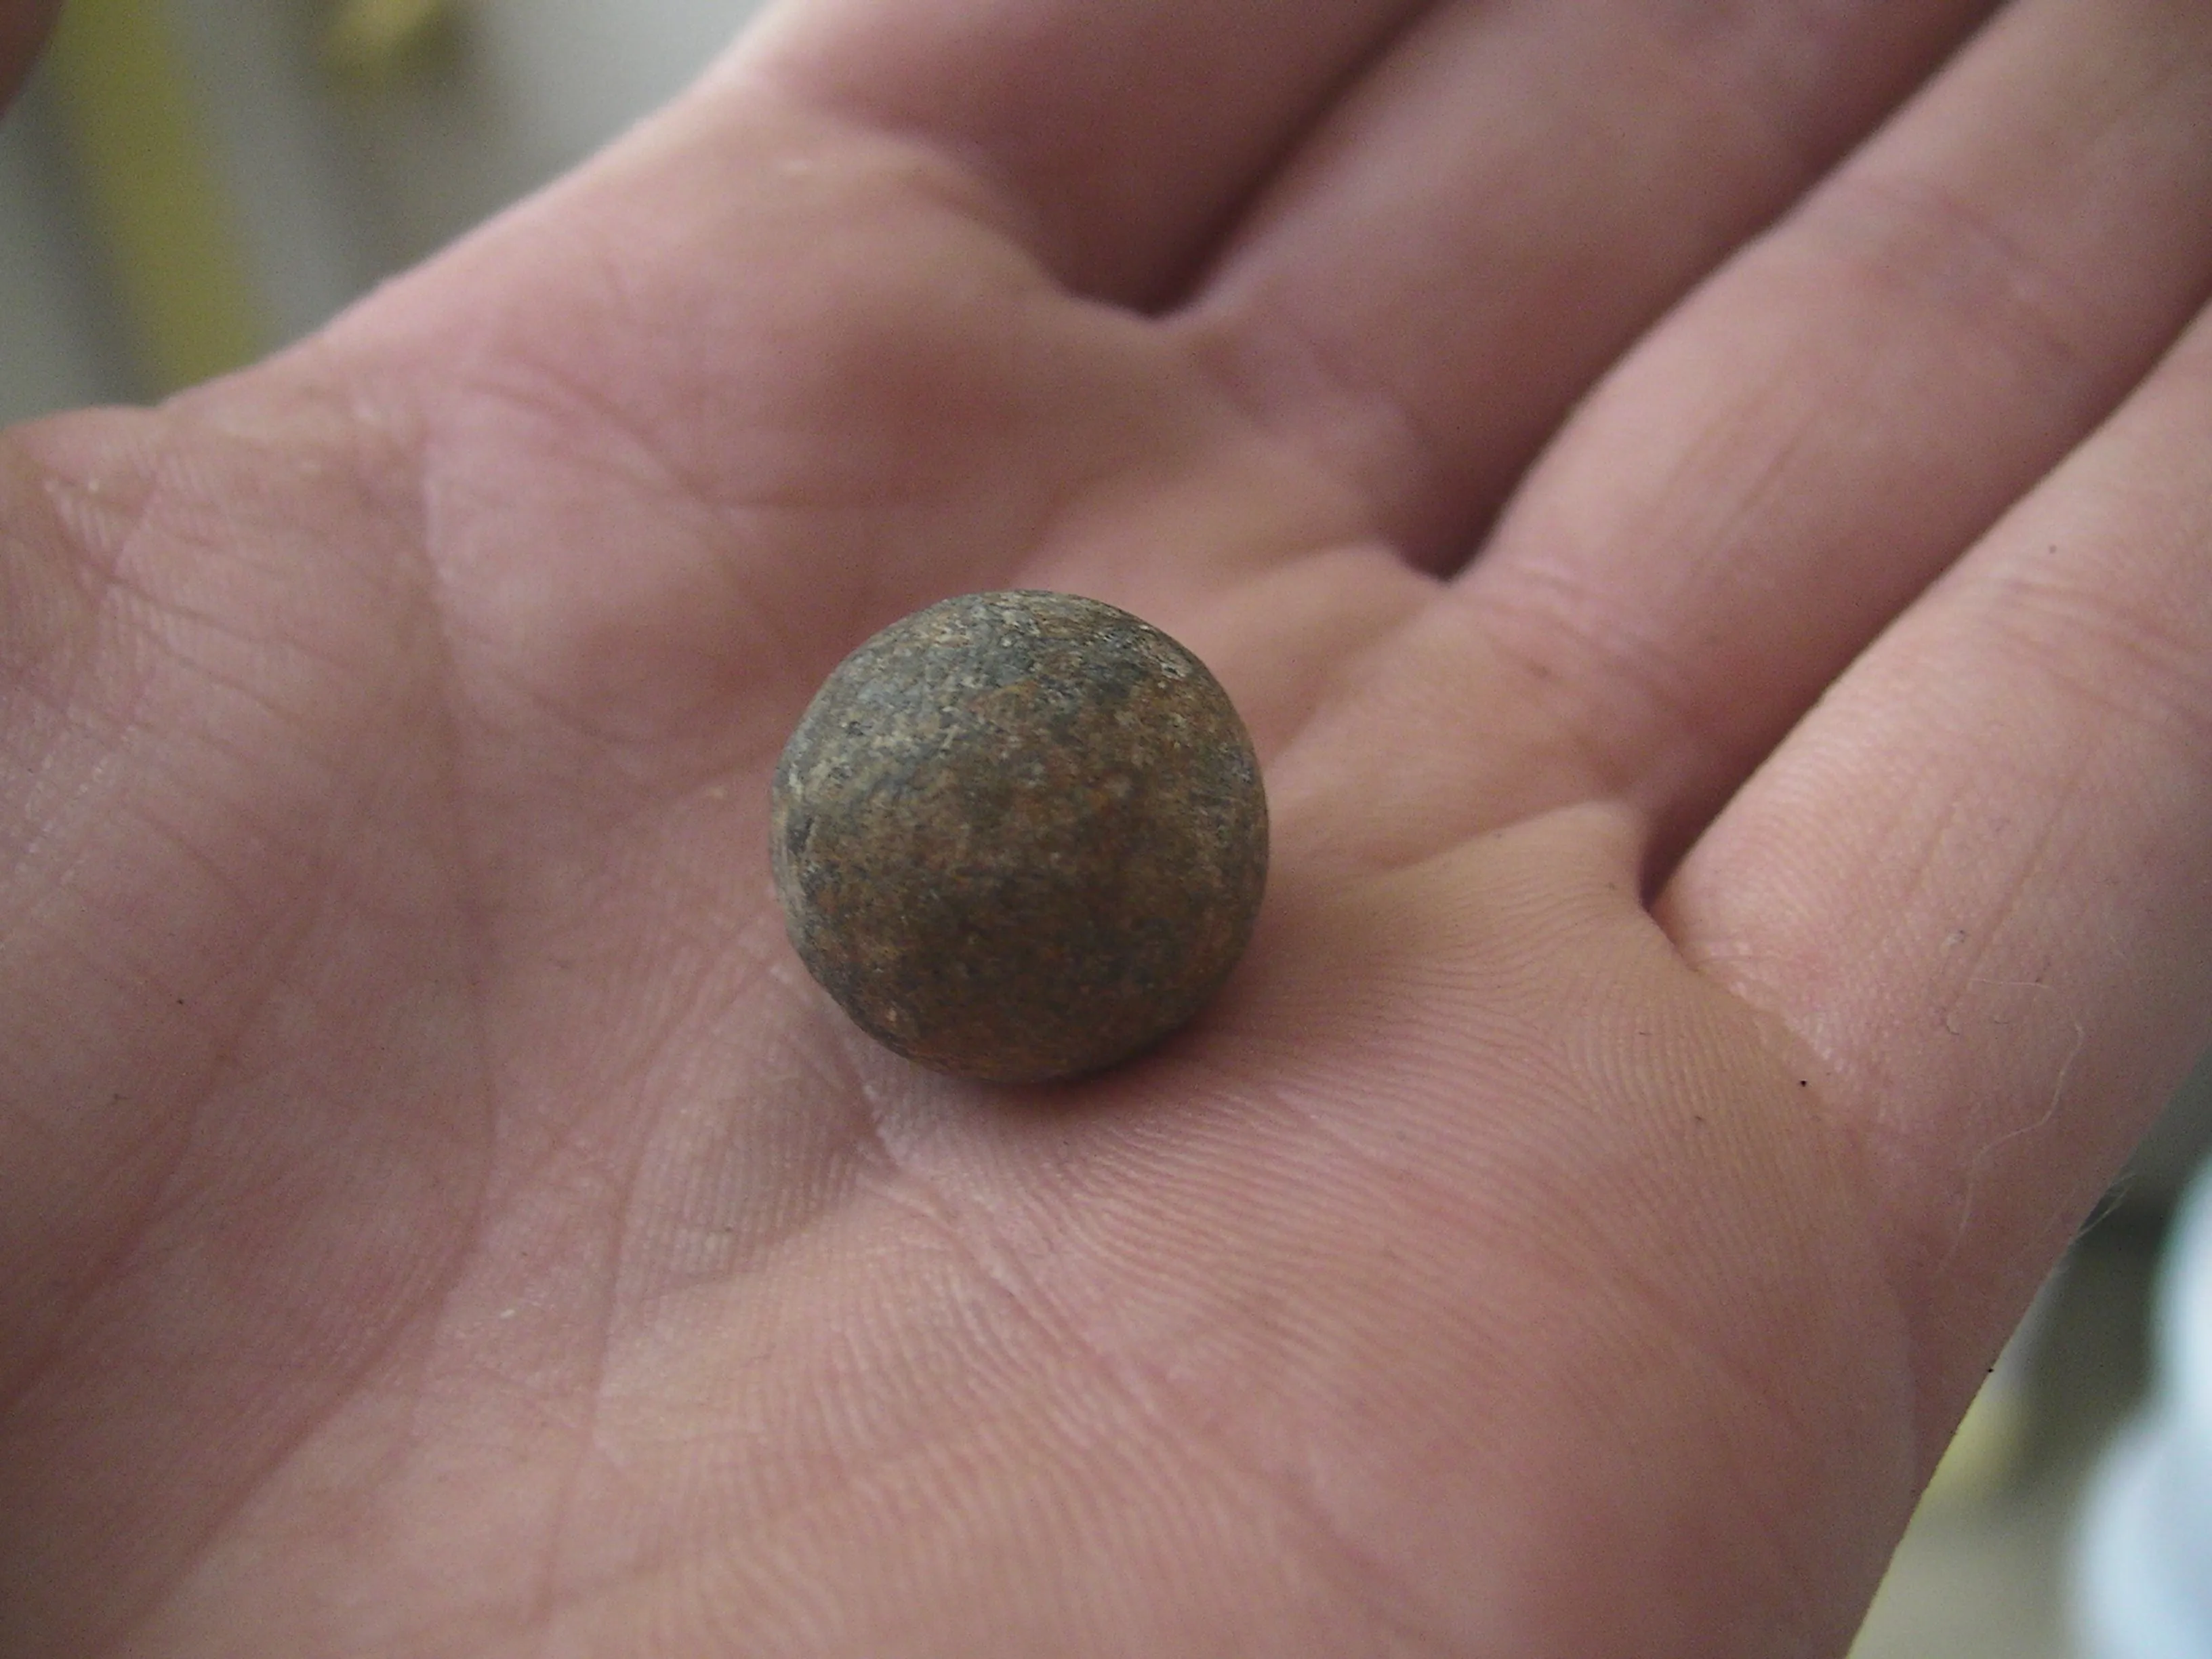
{"points": [[23, 25], [1722, 937]]}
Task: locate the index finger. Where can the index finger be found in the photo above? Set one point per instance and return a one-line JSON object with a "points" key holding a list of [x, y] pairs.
{"points": [[1120, 136]]}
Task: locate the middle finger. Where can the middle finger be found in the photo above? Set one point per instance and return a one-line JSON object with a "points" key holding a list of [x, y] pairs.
{"points": [[1501, 203], [1816, 434]]}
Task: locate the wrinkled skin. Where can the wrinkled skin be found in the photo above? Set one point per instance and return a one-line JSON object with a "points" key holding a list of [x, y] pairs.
{"points": [[1706, 510]]}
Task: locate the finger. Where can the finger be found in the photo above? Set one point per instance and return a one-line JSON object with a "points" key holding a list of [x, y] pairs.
{"points": [[1836, 417], [23, 27], [1823, 426], [1505, 200], [1120, 136], [1975, 883]]}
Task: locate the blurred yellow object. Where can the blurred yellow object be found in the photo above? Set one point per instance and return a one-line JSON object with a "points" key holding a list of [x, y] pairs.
{"points": [[1990, 1448], [373, 40], [154, 194], [1985, 1455]]}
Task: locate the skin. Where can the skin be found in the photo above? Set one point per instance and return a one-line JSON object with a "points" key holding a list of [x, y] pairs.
{"points": [[1705, 510], [23, 26]]}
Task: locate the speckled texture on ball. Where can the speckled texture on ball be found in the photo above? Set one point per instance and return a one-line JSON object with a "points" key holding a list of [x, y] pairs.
{"points": [[1020, 836]]}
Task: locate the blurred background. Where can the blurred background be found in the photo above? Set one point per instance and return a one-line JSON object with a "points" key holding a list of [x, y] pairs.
{"points": [[187, 183]]}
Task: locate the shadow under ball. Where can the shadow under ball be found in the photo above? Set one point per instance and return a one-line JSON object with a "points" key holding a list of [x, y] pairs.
{"points": [[1020, 836]]}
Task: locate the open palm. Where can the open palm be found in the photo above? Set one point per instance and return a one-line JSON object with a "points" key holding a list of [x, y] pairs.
{"points": [[1721, 937]]}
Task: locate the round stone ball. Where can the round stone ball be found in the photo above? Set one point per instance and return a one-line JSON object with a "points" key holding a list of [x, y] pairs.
{"points": [[1020, 836]]}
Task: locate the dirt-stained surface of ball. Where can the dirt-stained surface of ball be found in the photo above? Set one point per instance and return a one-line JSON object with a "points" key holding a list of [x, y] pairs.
{"points": [[1020, 836]]}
